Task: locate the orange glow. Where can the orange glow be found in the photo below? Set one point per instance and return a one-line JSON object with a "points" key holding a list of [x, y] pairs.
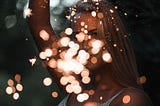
{"points": [[94, 60], [91, 92], [100, 15], [126, 99], [92, 104], [44, 35], [47, 81], [17, 78], [142, 80], [10, 82], [54, 51], [82, 23], [69, 88], [52, 63], [95, 50], [13, 89], [54, 94], [85, 73], [42, 55], [80, 37], [64, 80], [19, 87]]}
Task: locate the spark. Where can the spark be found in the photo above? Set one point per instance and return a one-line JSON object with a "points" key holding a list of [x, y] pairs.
{"points": [[28, 12], [32, 61], [111, 11]]}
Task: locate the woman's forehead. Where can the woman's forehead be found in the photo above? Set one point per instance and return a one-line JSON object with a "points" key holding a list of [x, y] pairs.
{"points": [[84, 21]]}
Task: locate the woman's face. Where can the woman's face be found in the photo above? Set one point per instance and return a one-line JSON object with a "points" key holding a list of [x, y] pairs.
{"points": [[85, 21]]}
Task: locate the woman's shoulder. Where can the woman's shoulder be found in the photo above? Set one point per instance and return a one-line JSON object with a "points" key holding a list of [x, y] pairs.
{"points": [[132, 97]]}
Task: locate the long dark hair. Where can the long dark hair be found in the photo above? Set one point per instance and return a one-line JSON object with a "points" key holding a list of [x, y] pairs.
{"points": [[123, 67]]}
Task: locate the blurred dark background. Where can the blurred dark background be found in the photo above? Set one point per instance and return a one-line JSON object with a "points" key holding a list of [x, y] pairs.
{"points": [[17, 47]]}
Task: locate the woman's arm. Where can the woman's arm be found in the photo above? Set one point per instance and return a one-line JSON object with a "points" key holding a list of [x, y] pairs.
{"points": [[42, 32]]}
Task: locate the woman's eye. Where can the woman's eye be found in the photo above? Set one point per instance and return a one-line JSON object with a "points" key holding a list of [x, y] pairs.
{"points": [[94, 33]]}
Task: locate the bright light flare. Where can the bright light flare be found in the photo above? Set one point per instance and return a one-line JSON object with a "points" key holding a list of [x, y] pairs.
{"points": [[16, 96], [82, 97], [80, 37], [47, 81], [9, 90], [107, 57], [48, 52], [93, 13], [54, 94], [32, 61], [10, 82], [68, 31], [19, 87], [17, 78], [126, 99], [27, 12], [86, 80]]}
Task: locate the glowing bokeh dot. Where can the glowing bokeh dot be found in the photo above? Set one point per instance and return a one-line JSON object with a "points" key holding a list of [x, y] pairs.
{"points": [[82, 97], [68, 31], [10, 82], [126, 99], [48, 52], [15, 96], [54, 94], [107, 57], [42, 55], [18, 77], [19, 87], [47, 81], [52, 63], [9, 90], [93, 13], [86, 80]]}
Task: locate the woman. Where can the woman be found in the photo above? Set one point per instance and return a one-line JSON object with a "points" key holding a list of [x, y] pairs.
{"points": [[100, 37]]}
